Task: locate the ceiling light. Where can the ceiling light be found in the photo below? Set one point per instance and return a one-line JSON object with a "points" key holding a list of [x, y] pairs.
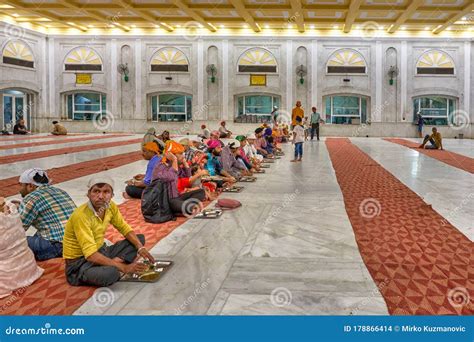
{"points": [[463, 18], [245, 26], [311, 27], [449, 29], [90, 26], [427, 28], [70, 23], [290, 26], [267, 26], [15, 15], [358, 27], [178, 25], [381, 27], [335, 26], [403, 28], [200, 26], [133, 26], [222, 26]]}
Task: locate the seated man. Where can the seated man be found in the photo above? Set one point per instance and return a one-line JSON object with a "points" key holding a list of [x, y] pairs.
{"points": [[135, 186], [20, 128], [206, 133], [261, 144], [224, 132], [18, 267], [88, 260], [58, 129], [214, 165], [435, 139], [46, 208]]}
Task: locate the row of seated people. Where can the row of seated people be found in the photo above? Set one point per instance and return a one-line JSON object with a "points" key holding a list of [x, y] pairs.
{"points": [[77, 234]]}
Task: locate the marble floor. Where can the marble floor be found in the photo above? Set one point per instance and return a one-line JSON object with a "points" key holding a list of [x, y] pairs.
{"points": [[290, 249]]}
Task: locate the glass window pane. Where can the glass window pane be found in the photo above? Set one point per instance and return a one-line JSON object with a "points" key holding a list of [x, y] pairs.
{"points": [[69, 107], [346, 105], [434, 106], [363, 108], [189, 108], [154, 108], [258, 104], [240, 105], [172, 103], [7, 109]]}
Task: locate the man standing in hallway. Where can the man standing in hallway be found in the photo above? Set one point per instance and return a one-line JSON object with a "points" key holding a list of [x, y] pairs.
{"points": [[315, 120], [296, 112]]}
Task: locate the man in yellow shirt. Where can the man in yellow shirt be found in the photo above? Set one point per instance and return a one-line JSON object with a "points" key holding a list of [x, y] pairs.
{"points": [[435, 139], [58, 129], [297, 111], [88, 260]]}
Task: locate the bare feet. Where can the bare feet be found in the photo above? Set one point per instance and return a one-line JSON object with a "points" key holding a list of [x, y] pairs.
{"points": [[294, 160]]}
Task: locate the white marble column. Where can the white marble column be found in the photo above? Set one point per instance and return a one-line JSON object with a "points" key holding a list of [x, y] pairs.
{"points": [[289, 75], [52, 78], [467, 78], [200, 80], [138, 80], [314, 75], [225, 79], [376, 115], [113, 78], [44, 79], [403, 79]]}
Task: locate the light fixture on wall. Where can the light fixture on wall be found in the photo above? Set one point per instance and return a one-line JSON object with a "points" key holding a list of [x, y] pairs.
{"points": [[212, 71], [392, 73], [301, 72], [123, 70]]}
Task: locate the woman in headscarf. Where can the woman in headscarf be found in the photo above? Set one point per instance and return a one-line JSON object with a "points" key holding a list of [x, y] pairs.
{"points": [[18, 267], [185, 203]]}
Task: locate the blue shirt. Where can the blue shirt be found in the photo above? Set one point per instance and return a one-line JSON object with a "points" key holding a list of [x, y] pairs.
{"points": [[149, 169], [213, 165]]}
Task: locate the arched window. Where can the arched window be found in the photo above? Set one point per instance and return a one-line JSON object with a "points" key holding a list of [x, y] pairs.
{"points": [[18, 53], [346, 61], [435, 62], [169, 59], [83, 59], [257, 60], [346, 109]]}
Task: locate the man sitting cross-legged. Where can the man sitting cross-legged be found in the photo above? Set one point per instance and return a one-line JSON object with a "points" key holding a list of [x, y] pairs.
{"points": [[435, 139], [135, 186], [88, 260]]}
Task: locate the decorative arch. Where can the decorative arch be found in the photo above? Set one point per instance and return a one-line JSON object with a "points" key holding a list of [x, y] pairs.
{"points": [[257, 60], [83, 59], [169, 59], [435, 62], [346, 61], [16, 52]]}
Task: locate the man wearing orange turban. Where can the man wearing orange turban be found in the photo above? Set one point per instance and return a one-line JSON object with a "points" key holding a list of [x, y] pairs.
{"points": [[135, 186]]}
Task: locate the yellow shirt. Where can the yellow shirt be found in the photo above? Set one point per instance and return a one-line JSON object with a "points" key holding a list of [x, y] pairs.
{"points": [[85, 231], [59, 129], [437, 139], [297, 111]]}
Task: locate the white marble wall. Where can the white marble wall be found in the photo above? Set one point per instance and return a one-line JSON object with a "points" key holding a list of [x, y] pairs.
{"points": [[131, 105]]}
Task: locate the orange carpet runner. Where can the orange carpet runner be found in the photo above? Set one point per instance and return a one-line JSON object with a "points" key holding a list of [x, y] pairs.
{"points": [[453, 159], [421, 264], [10, 186], [64, 150]]}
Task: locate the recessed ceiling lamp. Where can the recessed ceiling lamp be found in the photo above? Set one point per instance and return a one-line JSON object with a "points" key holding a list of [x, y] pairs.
{"points": [[290, 26], [16, 15], [245, 26], [267, 26], [311, 27], [222, 26], [90, 26], [133, 26], [358, 27], [200, 26], [178, 26], [335, 27], [403, 28], [427, 28]]}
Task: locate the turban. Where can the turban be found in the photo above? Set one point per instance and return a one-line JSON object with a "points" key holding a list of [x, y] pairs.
{"points": [[240, 137], [151, 146], [259, 130], [251, 136], [268, 131], [174, 147], [213, 143]]}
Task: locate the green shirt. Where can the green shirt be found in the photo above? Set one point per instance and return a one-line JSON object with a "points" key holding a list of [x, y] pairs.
{"points": [[315, 117]]}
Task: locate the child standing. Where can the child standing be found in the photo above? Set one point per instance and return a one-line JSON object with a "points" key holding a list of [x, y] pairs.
{"points": [[298, 139]]}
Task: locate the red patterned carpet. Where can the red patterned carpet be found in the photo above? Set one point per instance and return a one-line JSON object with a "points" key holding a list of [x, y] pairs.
{"points": [[10, 186], [28, 137], [60, 141], [419, 262], [453, 159], [65, 150], [51, 295]]}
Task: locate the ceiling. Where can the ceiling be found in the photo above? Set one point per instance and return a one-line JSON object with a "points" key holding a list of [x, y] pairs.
{"points": [[344, 16]]}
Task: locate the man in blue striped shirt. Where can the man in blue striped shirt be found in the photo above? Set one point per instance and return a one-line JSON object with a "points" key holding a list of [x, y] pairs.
{"points": [[47, 209]]}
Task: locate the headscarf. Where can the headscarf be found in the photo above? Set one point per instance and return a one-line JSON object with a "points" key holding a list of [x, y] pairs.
{"points": [[151, 146], [213, 143]]}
